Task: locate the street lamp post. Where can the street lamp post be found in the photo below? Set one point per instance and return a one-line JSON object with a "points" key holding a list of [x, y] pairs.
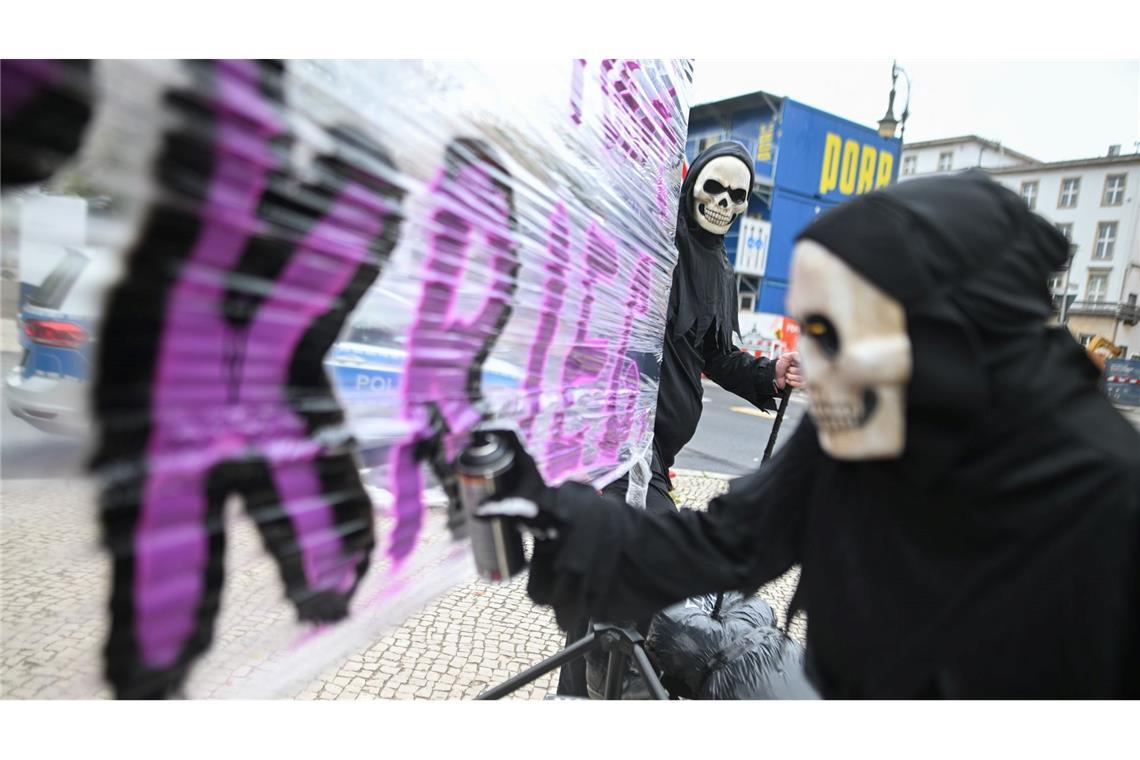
{"points": [[888, 123], [906, 106]]}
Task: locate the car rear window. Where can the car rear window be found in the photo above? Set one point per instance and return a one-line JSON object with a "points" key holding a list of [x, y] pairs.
{"points": [[55, 287], [374, 336]]}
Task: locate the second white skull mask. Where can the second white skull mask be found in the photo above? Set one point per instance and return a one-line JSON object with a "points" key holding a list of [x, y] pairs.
{"points": [[856, 356], [720, 193]]}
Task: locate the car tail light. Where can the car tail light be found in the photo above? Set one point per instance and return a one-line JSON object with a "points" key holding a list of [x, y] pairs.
{"points": [[60, 334]]}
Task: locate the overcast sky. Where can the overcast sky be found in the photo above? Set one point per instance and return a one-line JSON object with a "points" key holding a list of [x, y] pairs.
{"points": [[1052, 111]]}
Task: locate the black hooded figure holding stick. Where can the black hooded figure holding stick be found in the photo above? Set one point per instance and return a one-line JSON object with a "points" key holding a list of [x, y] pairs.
{"points": [[701, 320], [963, 502], [702, 317]]}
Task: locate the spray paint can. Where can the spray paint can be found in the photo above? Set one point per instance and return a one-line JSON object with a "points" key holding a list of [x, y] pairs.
{"points": [[485, 468]]}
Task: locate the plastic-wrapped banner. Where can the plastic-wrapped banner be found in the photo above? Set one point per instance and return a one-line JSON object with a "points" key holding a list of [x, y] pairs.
{"points": [[305, 283]]}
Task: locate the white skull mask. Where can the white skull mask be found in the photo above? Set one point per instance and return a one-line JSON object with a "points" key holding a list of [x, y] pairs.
{"points": [[856, 356], [720, 193]]}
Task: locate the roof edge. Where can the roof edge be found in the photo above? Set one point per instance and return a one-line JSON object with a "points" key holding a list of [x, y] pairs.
{"points": [[1045, 166], [992, 144]]}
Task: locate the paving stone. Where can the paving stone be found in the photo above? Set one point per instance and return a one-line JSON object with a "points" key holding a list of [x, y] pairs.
{"points": [[56, 582]]}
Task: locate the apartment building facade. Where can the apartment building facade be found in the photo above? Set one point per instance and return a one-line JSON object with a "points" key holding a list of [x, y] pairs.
{"points": [[1093, 201]]}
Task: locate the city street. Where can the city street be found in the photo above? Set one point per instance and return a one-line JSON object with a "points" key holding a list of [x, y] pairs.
{"points": [[469, 637], [733, 433], [53, 602]]}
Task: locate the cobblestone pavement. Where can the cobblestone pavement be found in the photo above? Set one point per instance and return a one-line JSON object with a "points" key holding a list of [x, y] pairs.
{"points": [[53, 619], [479, 635], [53, 591]]}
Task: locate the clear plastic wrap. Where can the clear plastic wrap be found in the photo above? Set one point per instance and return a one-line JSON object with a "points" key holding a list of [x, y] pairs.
{"points": [[316, 278]]}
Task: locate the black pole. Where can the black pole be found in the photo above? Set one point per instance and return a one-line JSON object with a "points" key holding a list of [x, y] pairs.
{"points": [[615, 673], [787, 391], [784, 394], [641, 660]]}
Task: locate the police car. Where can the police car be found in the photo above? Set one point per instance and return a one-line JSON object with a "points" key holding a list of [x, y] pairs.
{"points": [[58, 329], [369, 363], [57, 334]]}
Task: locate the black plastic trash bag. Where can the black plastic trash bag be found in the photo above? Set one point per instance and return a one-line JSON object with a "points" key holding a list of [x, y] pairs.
{"points": [[739, 654]]}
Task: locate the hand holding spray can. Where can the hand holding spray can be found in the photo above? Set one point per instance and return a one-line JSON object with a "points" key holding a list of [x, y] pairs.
{"points": [[485, 469]]}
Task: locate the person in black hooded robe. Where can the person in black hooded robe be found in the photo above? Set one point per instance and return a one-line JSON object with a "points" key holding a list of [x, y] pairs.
{"points": [[701, 319], [996, 555]]}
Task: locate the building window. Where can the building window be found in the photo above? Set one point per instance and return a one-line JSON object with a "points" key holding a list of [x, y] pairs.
{"points": [[1057, 282], [1113, 190], [1069, 189], [945, 161], [1098, 287], [709, 141], [1029, 193], [908, 165], [1105, 240], [747, 302]]}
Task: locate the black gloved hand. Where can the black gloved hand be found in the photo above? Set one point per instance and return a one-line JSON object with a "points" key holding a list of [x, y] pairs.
{"points": [[525, 497]]}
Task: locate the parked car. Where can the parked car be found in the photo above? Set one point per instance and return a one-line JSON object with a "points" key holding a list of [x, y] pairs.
{"points": [[59, 325], [370, 361]]}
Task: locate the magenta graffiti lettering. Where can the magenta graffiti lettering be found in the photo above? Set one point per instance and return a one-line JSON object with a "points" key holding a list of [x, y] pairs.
{"points": [[587, 360], [261, 227], [639, 119], [236, 405], [470, 226], [197, 385], [621, 392]]}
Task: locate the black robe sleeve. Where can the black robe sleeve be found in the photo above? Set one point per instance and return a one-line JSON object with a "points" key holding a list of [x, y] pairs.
{"points": [[612, 562], [752, 378]]}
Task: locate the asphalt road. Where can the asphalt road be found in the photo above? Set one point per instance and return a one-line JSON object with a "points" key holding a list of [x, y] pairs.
{"points": [[732, 434]]}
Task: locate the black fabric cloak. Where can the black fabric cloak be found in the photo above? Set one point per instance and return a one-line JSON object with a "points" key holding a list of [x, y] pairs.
{"points": [[998, 557], [702, 317]]}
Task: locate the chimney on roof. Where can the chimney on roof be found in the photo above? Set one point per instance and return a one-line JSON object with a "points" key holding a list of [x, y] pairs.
{"points": [[1113, 150]]}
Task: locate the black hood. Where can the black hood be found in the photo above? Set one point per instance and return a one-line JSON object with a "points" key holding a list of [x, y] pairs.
{"points": [[726, 148], [969, 263], [704, 282], [963, 237]]}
